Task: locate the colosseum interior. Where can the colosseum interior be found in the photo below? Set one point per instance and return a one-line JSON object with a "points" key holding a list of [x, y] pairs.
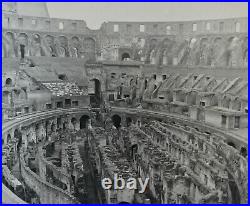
{"points": [[166, 101]]}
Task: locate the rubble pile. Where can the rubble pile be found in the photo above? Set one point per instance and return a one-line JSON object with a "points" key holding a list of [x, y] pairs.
{"points": [[64, 89]]}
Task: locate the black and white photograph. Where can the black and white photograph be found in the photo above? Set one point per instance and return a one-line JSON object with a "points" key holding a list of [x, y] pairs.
{"points": [[124, 102]]}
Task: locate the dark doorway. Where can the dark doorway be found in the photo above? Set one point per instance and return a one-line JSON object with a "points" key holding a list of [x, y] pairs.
{"points": [[84, 121], [125, 56], [8, 82], [22, 50], [95, 99], [116, 121]]}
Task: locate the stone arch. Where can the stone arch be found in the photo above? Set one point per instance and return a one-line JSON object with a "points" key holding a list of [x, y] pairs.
{"points": [[192, 52], [75, 47], [36, 48], [203, 51], [233, 52], [166, 52], [116, 119], [217, 52], [23, 43], [8, 82], [50, 46], [152, 51], [84, 121], [89, 48], [63, 47], [179, 52], [10, 45]]}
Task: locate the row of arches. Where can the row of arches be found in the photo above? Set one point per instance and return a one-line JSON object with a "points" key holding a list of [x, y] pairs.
{"points": [[232, 103], [205, 51], [20, 45]]}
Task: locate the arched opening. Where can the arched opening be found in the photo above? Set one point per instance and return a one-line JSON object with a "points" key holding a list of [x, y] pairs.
{"points": [[243, 152], [95, 94], [63, 46], [23, 43], [128, 121], [131, 82], [36, 49], [89, 46], [231, 144], [116, 121], [84, 121], [125, 56], [8, 82]]}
